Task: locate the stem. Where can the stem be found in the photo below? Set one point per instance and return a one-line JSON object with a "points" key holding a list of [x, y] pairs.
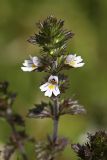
{"points": [[19, 143], [55, 119], [16, 135]]}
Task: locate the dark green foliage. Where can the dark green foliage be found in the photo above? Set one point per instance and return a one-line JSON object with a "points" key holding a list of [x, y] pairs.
{"points": [[51, 37], [94, 149]]}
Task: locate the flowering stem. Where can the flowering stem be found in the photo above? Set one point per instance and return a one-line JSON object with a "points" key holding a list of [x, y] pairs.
{"points": [[55, 119]]}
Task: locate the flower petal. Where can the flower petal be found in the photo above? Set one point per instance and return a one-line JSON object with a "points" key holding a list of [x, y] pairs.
{"points": [[44, 87], [35, 60], [48, 93], [79, 65], [56, 91], [70, 56], [27, 69], [79, 59], [53, 77], [27, 63]]}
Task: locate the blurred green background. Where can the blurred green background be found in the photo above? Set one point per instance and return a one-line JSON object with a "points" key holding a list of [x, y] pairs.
{"points": [[88, 20]]}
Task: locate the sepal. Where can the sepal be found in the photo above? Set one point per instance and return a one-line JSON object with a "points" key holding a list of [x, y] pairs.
{"points": [[71, 107], [43, 110]]}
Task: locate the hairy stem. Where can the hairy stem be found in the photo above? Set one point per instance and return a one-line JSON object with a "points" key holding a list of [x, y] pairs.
{"points": [[16, 135], [55, 119]]}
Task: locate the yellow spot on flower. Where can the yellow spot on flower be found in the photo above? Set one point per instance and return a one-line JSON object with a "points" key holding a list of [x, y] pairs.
{"points": [[72, 63], [33, 66], [51, 86]]}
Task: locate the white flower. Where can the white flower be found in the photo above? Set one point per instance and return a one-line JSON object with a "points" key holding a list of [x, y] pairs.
{"points": [[31, 64], [51, 86], [74, 61]]}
